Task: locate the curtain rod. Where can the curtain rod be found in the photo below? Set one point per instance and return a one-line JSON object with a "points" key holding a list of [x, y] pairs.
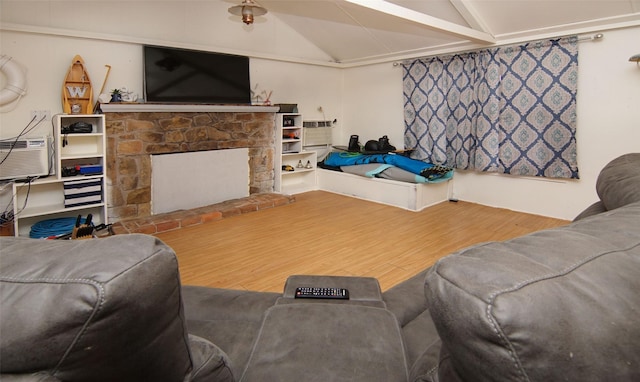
{"points": [[595, 37]]}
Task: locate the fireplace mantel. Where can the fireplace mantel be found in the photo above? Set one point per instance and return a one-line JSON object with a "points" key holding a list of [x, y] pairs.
{"points": [[137, 131], [121, 107]]}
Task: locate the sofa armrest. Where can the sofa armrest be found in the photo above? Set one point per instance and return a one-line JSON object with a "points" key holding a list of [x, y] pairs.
{"points": [[108, 309], [618, 183], [327, 342], [559, 303], [594, 209]]}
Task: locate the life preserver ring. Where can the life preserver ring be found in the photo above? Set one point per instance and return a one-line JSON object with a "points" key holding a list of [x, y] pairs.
{"points": [[16, 85]]}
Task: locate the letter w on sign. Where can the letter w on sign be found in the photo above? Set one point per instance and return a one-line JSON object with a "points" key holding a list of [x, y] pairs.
{"points": [[76, 91]]}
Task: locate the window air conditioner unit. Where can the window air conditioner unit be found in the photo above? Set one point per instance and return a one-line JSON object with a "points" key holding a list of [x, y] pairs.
{"points": [[316, 133], [317, 123], [24, 158]]}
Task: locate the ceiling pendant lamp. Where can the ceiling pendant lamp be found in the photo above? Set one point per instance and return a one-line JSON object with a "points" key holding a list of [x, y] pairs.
{"points": [[248, 9]]}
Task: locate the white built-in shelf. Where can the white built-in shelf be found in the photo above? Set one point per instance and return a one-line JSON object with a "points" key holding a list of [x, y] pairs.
{"points": [[44, 199], [289, 138]]}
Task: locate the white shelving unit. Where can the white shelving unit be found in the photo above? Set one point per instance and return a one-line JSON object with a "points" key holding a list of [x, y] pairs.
{"points": [[289, 138], [44, 199]]}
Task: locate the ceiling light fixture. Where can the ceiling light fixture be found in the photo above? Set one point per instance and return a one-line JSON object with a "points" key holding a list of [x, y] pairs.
{"points": [[635, 58], [248, 9]]}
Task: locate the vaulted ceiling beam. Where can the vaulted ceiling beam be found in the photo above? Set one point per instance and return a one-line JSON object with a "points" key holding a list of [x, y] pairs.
{"points": [[470, 15], [426, 20]]}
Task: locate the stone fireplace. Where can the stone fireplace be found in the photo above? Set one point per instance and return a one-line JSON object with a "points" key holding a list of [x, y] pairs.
{"points": [[135, 132]]}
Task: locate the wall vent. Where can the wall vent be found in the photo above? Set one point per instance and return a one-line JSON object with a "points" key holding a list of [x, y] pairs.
{"points": [[317, 124]]}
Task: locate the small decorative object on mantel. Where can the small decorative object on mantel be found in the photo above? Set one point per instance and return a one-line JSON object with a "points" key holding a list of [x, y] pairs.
{"points": [[121, 95], [267, 98], [261, 97], [128, 96], [77, 94], [116, 96], [287, 107]]}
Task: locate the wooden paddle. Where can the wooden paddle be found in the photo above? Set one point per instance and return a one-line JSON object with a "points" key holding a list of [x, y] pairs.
{"points": [[95, 107]]}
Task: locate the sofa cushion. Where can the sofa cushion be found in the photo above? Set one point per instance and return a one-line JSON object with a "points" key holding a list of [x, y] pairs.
{"points": [[618, 183], [96, 310], [561, 302], [408, 303], [422, 344], [406, 300], [210, 363], [327, 342], [229, 318]]}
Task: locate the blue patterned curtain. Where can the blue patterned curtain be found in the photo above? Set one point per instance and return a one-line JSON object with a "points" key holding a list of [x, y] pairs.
{"points": [[507, 109]]}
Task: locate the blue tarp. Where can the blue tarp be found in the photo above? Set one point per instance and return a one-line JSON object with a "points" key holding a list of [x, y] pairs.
{"points": [[338, 159]]}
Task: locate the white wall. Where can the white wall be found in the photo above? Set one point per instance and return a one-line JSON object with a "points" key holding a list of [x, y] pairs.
{"points": [[608, 126], [45, 35], [309, 86], [47, 59], [373, 104]]}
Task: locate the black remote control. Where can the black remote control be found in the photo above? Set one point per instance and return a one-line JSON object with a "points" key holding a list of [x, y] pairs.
{"points": [[312, 292]]}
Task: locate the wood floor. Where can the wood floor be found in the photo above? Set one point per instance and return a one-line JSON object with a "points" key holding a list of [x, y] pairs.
{"points": [[329, 234]]}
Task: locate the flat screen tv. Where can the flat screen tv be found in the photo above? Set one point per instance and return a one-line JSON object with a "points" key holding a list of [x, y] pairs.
{"points": [[189, 76]]}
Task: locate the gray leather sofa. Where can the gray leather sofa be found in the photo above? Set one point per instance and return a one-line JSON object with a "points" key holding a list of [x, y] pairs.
{"points": [[559, 304]]}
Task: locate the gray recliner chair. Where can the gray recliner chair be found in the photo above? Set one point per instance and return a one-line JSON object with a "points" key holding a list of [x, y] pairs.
{"points": [[72, 312]]}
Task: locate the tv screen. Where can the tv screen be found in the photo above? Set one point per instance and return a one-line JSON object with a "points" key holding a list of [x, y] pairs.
{"points": [[189, 76]]}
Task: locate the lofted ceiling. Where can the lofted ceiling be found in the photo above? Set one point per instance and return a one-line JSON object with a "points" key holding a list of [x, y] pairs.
{"points": [[338, 33], [360, 31]]}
